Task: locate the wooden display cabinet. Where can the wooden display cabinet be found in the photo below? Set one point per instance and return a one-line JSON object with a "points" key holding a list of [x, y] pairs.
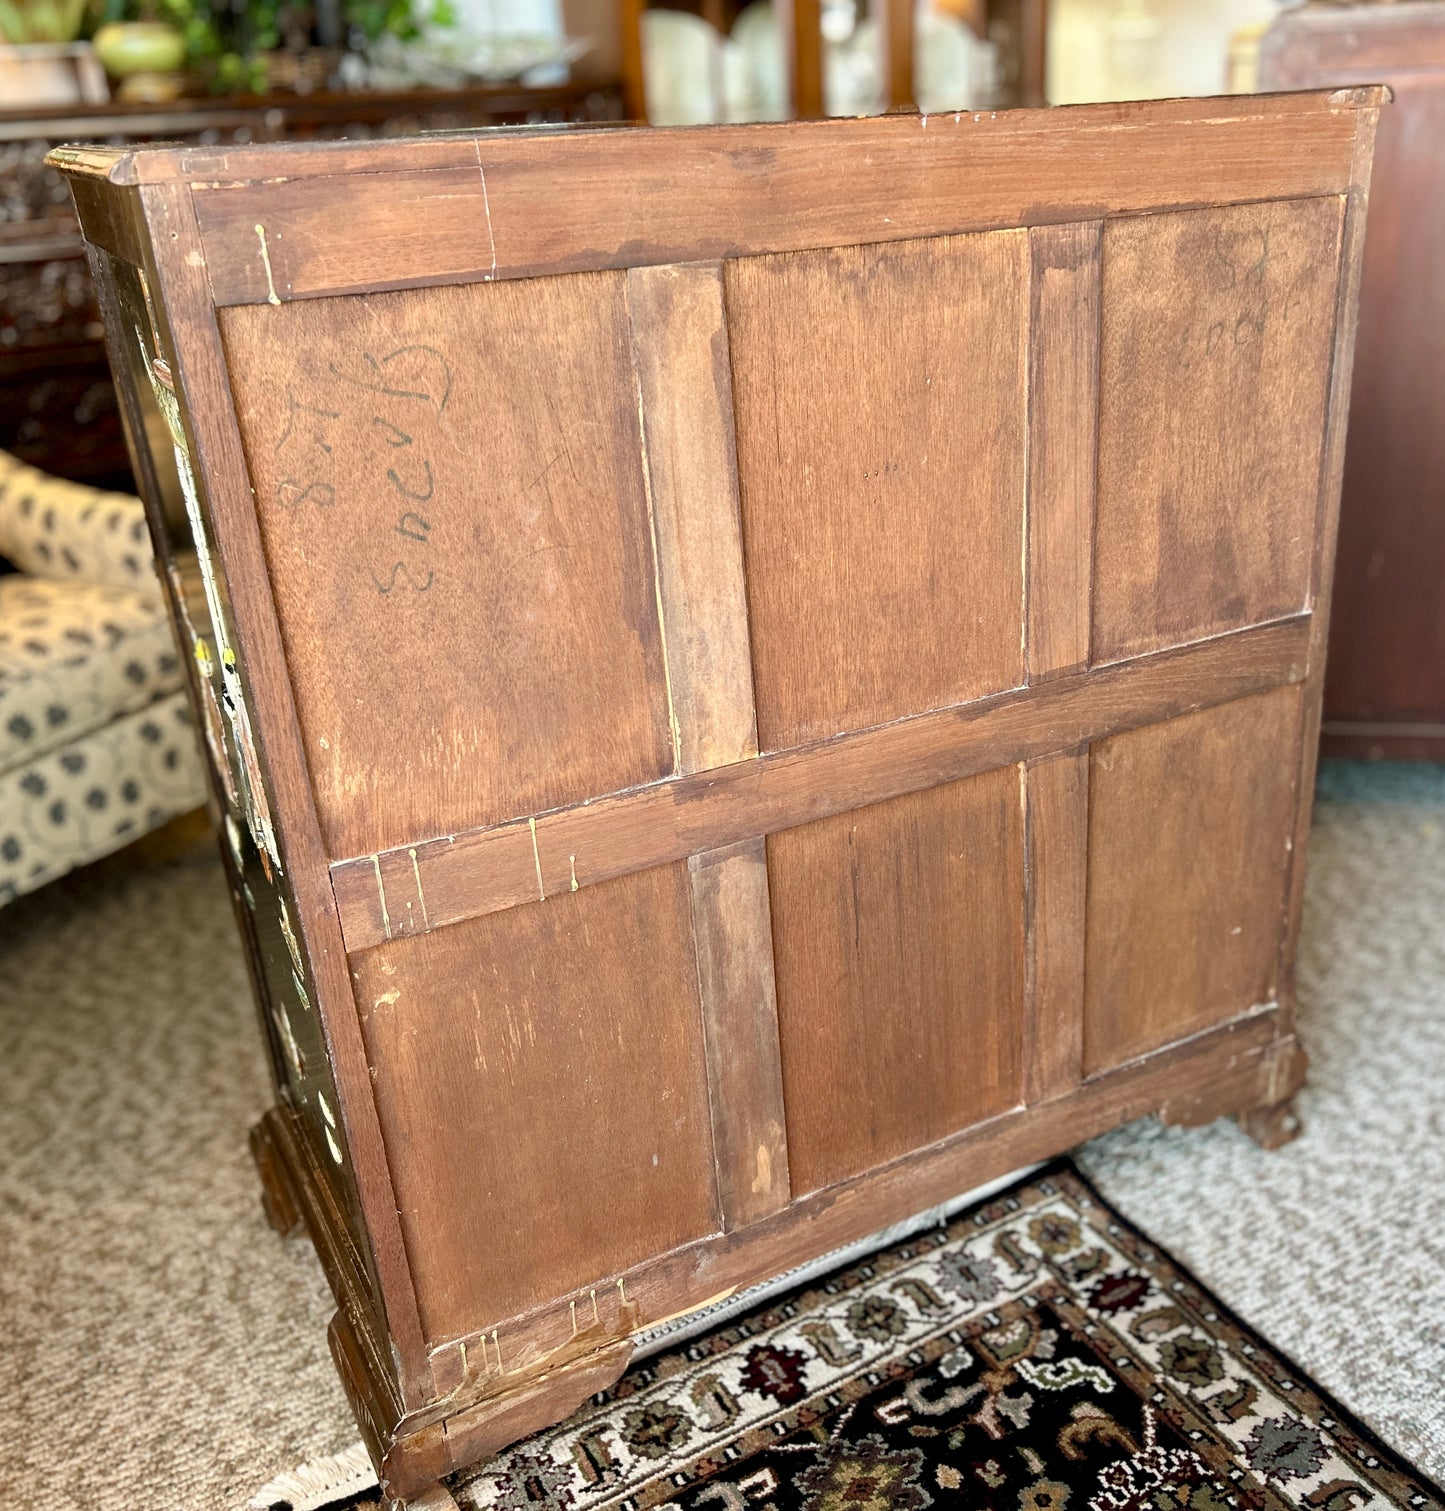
{"points": [[759, 678], [1018, 27]]}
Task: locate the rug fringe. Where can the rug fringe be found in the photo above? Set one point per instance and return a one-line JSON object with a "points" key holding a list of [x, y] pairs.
{"points": [[318, 1483]]}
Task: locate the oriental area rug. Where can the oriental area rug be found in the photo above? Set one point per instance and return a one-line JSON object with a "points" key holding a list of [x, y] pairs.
{"points": [[1036, 1354]]}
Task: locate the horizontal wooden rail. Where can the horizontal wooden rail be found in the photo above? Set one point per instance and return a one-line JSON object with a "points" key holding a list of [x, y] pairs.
{"points": [[479, 208], [1188, 1083], [415, 889]]}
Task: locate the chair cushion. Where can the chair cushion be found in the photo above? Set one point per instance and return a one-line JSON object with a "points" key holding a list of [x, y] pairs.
{"points": [[74, 656], [96, 794]]}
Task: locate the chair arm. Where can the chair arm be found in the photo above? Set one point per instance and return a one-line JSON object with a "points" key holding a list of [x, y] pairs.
{"points": [[53, 528]]}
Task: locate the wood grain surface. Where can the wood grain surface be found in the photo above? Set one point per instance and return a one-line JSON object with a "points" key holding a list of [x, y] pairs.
{"points": [[1190, 827], [504, 206], [1233, 1065], [544, 854], [1063, 444], [898, 934], [880, 411], [460, 551], [680, 343], [732, 923], [1326, 532], [1056, 819], [543, 1096], [1218, 335]]}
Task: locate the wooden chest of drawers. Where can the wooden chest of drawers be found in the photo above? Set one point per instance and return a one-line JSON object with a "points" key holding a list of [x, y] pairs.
{"points": [[757, 678]]}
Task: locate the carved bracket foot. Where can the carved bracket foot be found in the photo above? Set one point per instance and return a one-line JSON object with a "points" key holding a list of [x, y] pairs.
{"points": [[1263, 1103], [415, 1454], [1274, 1126], [1273, 1122]]}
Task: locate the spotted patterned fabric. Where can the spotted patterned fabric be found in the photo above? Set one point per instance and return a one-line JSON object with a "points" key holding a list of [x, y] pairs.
{"points": [[1038, 1354], [56, 529], [95, 739], [74, 656], [78, 803]]}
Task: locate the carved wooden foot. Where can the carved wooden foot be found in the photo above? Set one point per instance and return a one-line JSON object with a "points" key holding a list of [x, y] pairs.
{"points": [[283, 1211], [1264, 1104], [1273, 1122], [1274, 1126]]}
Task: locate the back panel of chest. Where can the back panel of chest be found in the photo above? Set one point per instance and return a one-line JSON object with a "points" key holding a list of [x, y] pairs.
{"points": [[763, 677]]}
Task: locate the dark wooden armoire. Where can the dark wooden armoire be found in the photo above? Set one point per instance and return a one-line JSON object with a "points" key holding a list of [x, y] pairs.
{"points": [[1385, 686]]}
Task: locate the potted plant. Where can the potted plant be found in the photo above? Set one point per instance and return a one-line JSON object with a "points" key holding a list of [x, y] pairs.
{"points": [[25, 22], [142, 49], [235, 49]]}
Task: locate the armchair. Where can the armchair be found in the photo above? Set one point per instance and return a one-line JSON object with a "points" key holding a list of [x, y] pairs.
{"points": [[96, 744]]}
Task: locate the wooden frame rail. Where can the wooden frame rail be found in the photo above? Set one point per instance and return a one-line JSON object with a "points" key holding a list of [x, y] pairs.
{"points": [[417, 888]]}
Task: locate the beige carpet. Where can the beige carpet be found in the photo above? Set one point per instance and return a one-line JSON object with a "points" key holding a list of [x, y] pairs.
{"points": [[159, 1348]]}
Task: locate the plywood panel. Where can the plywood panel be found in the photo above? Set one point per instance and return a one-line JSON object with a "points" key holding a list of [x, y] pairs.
{"points": [[1218, 328], [1190, 824], [451, 498], [540, 1080], [880, 397], [898, 938]]}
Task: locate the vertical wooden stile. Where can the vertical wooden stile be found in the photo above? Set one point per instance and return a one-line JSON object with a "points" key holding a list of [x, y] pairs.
{"points": [[194, 349], [685, 400], [1056, 828], [679, 338], [1332, 468], [1063, 442], [733, 932], [1062, 453]]}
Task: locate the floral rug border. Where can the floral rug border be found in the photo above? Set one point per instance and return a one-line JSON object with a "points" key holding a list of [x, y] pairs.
{"points": [[679, 1426]]}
